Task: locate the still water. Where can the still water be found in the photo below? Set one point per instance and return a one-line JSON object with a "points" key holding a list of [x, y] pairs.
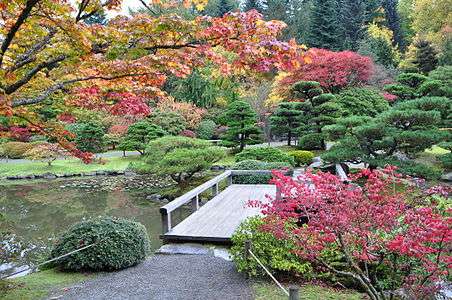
{"points": [[33, 214]]}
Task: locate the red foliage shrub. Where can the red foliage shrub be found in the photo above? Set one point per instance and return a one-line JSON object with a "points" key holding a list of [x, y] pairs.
{"points": [[119, 130], [67, 118], [129, 104], [388, 238], [389, 97], [188, 133], [20, 134], [334, 70]]}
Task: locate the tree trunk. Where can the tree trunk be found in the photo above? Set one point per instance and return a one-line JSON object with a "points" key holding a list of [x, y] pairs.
{"points": [[289, 138]]}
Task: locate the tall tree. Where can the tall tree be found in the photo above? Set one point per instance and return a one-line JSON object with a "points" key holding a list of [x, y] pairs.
{"points": [[393, 22], [242, 127], [325, 26], [217, 8], [426, 56], [353, 19], [253, 4], [287, 119]]}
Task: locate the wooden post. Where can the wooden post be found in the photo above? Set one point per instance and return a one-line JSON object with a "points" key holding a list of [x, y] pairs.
{"points": [[166, 221], [215, 190], [294, 293], [230, 180], [278, 193], [195, 203], [247, 254]]}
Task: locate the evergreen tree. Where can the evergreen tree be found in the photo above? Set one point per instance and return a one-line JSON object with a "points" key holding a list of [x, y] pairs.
{"points": [[253, 4], [217, 8], [426, 56], [318, 110], [241, 122], [98, 18], [277, 10], [286, 119], [138, 136], [354, 17], [393, 22], [325, 26]]}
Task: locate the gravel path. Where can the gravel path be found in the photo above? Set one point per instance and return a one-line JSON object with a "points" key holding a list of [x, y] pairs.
{"points": [[167, 277]]}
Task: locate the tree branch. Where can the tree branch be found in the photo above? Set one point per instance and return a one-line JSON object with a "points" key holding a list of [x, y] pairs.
{"points": [[15, 86], [30, 55], [61, 85], [15, 28]]}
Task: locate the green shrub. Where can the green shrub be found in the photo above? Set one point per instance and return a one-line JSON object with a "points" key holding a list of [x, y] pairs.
{"points": [[276, 255], [121, 244], [258, 165], [446, 160], [312, 141], [267, 154], [412, 80], [206, 129], [15, 150], [434, 88], [302, 157], [171, 122], [403, 92], [89, 137]]}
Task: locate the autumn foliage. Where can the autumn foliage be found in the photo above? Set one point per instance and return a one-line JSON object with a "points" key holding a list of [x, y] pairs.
{"points": [[50, 56], [388, 240], [334, 70]]}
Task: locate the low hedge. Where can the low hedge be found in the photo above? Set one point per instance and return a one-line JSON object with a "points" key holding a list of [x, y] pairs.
{"points": [[259, 165], [302, 157], [121, 243], [265, 154]]}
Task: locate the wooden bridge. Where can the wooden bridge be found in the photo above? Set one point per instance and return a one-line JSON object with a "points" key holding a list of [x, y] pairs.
{"points": [[216, 220]]}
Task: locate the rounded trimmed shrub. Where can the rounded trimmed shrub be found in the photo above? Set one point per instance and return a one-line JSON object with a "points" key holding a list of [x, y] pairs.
{"points": [[302, 157], [446, 160], [362, 102], [206, 129], [312, 141], [121, 244], [267, 154], [259, 165]]}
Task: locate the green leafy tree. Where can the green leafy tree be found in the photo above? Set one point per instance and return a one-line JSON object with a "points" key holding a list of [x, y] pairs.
{"points": [[206, 129], [242, 128], [426, 56], [89, 137], [318, 109], [172, 122], [287, 120], [138, 136], [181, 157]]}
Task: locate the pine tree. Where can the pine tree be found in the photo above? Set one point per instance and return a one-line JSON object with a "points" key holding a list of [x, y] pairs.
{"points": [[253, 4], [393, 22], [225, 6], [325, 26], [286, 119], [241, 122], [426, 56], [354, 18], [277, 10]]}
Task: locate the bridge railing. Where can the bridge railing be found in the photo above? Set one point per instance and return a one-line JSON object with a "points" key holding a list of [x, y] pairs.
{"points": [[192, 196]]}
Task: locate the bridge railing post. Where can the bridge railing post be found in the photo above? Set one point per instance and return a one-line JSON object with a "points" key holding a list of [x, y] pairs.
{"points": [[195, 203], [294, 293], [166, 220]]}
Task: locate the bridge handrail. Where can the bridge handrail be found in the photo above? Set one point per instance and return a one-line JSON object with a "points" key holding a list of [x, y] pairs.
{"points": [[193, 195]]}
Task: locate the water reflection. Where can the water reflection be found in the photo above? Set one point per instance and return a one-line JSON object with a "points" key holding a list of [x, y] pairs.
{"points": [[33, 214]]}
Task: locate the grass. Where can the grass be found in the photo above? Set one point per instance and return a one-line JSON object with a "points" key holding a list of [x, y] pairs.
{"points": [[64, 166], [228, 160], [266, 290], [436, 150], [38, 285]]}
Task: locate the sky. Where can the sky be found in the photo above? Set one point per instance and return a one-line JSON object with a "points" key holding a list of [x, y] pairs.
{"points": [[130, 4]]}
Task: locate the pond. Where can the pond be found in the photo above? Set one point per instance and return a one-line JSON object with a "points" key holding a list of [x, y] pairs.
{"points": [[33, 214]]}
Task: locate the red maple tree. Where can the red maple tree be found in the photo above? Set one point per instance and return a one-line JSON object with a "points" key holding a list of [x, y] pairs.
{"points": [[389, 241]]}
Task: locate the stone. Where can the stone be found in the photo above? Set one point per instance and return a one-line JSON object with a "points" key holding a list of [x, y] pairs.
{"points": [[129, 173], [447, 177], [49, 176]]}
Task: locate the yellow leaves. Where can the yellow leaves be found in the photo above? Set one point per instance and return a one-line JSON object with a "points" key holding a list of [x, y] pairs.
{"points": [[307, 59]]}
